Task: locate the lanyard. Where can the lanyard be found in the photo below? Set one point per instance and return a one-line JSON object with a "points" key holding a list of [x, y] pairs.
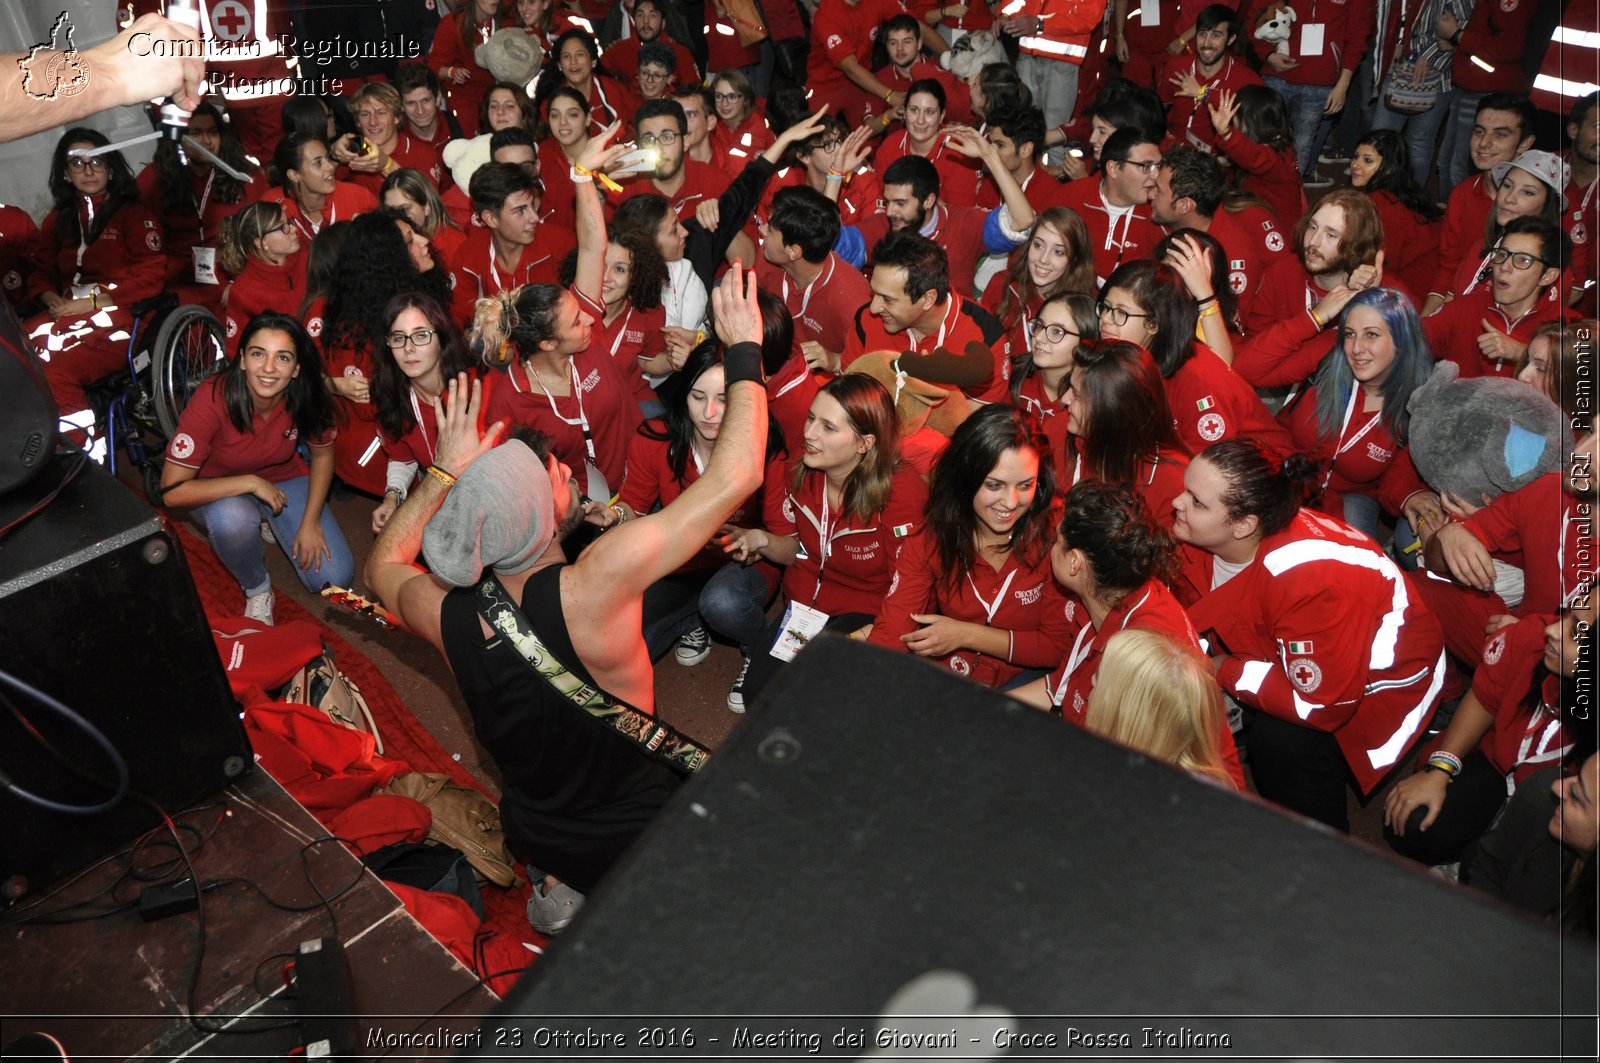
{"points": [[805, 296], [992, 607], [83, 234], [944, 326], [622, 330], [422, 426], [824, 535], [1344, 426], [577, 394], [205, 197], [1080, 650], [301, 222]]}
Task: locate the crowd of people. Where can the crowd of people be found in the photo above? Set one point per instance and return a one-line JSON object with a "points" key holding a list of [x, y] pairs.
{"points": [[1055, 379]]}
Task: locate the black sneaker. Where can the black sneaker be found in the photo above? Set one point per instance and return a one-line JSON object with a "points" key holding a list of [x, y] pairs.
{"points": [[694, 647], [736, 693]]}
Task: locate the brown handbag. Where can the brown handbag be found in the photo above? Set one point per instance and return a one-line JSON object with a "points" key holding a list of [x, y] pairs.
{"points": [[748, 21], [320, 684], [462, 818]]}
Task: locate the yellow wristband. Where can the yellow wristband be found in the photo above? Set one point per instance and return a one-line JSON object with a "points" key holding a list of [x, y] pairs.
{"points": [[888, 94], [443, 477], [598, 176]]}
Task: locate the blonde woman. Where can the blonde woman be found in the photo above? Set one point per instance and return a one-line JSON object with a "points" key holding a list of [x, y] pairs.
{"points": [[1158, 696], [260, 248]]}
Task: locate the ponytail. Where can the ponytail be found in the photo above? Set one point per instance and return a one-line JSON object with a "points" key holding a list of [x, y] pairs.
{"points": [[241, 231], [1260, 486]]}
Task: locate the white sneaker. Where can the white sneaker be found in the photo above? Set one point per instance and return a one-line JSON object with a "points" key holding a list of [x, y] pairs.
{"points": [[266, 533], [693, 647], [259, 607], [549, 913], [736, 694]]}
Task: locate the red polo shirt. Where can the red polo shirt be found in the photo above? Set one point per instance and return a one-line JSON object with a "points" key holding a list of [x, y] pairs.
{"points": [[477, 275], [825, 310], [208, 442], [964, 323]]}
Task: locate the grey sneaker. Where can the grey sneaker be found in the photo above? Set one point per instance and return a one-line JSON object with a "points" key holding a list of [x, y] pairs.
{"points": [[549, 913], [259, 607], [1316, 180], [736, 693], [266, 533], [694, 647]]}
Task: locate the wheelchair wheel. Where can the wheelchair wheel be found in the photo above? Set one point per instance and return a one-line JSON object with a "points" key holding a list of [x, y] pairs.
{"points": [[188, 348]]}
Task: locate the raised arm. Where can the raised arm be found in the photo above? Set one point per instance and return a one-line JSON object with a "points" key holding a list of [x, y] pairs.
{"points": [[591, 219]]}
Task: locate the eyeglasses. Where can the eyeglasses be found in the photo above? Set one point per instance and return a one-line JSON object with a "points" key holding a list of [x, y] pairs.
{"points": [[654, 75], [727, 97], [1116, 314], [830, 145], [78, 165], [1147, 168], [287, 226], [1519, 259], [420, 338], [666, 139], [1053, 333]]}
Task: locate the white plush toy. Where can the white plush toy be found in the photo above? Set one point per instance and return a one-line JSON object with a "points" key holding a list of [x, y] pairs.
{"points": [[972, 53], [1275, 25], [463, 157]]}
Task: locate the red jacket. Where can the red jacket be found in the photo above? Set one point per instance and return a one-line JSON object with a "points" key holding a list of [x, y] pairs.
{"points": [[1453, 332], [476, 275], [1024, 601], [959, 230], [1322, 630], [1410, 242], [1068, 27], [1158, 477], [1254, 243], [345, 202], [958, 178], [853, 571], [1283, 344], [1496, 34], [840, 29], [184, 230], [965, 323], [957, 97], [1210, 403], [790, 392], [1539, 528], [1188, 120], [263, 287], [1461, 233], [825, 311], [449, 50], [744, 141], [1346, 26], [17, 236], [1116, 235], [1362, 459], [1051, 417], [1271, 174], [126, 258], [1524, 698]]}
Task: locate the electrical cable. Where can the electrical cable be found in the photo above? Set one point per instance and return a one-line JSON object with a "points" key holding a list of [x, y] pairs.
{"points": [[120, 789], [71, 475]]}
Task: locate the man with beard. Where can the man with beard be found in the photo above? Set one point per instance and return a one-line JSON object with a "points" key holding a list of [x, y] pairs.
{"points": [[1190, 191], [902, 39], [661, 125], [952, 340], [1114, 204], [1187, 81], [649, 25], [575, 792], [1293, 321]]}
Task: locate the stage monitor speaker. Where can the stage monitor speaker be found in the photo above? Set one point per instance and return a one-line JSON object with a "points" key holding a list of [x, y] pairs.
{"points": [[27, 412], [878, 830], [98, 610]]}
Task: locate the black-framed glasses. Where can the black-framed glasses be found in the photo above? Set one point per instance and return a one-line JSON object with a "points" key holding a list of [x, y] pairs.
{"points": [[666, 139], [1147, 168], [1519, 259], [1115, 314], [653, 74], [727, 97], [419, 338], [1053, 333], [78, 164], [831, 145]]}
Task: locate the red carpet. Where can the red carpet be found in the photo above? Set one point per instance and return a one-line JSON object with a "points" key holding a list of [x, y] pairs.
{"points": [[505, 925]]}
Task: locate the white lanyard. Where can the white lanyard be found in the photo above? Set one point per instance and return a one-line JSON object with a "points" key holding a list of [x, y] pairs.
{"points": [[622, 331], [601, 92], [1080, 650], [1344, 425], [577, 395], [824, 535], [1588, 194], [329, 216], [944, 326], [1027, 319], [805, 296], [992, 607], [422, 426], [83, 234], [1544, 725]]}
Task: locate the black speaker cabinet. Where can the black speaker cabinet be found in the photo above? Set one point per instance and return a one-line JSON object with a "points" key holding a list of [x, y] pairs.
{"points": [[27, 411], [880, 840], [98, 610]]}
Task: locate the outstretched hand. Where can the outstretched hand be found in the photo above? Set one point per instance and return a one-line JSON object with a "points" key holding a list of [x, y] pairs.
{"points": [[735, 308], [1222, 112], [600, 154], [460, 441]]}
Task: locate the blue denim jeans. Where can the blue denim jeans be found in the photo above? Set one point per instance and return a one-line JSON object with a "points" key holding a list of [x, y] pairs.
{"points": [[1362, 513], [1305, 116], [233, 526], [1421, 133], [731, 602], [1455, 154]]}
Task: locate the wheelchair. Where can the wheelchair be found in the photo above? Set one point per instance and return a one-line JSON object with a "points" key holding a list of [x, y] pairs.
{"points": [[172, 350]]}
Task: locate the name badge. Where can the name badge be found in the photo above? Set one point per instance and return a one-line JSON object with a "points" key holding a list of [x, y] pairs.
{"points": [[205, 265], [1149, 12], [1311, 35]]}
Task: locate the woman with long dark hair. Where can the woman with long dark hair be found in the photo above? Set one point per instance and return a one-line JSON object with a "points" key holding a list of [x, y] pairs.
{"points": [[382, 257], [453, 61], [1381, 168], [835, 519], [304, 173], [1056, 260], [1336, 661], [98, 252], [1353, 417], [1042, 379], [575, 62], [423, 350], [192, 197], [1149, 304], [1121, 426], [412, 194], [973, 588], [566, 122], [234, 461]]}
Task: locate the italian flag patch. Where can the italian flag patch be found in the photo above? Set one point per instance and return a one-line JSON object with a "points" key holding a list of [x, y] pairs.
{"points": [[1204, 404], [1303, 648], [901, 530]]}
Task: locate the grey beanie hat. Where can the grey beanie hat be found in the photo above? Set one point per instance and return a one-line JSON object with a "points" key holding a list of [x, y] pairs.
{"points": [[500, 514]]}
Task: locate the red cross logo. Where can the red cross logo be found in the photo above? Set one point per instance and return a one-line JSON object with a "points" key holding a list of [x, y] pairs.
{"points": [[231, 20], [1305, 674]]}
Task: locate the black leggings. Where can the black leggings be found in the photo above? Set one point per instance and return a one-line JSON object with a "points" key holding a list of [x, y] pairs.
{"points": [[1471, 802], [763, 665], [1300, 768]]}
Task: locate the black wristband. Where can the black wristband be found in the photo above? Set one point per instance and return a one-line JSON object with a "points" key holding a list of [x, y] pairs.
{"points": [[742, 362]]}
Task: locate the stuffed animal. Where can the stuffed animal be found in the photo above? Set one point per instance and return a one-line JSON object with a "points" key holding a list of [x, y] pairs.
{"points": [[1274, 25], [928, 412], [972, 53], [1480, 437], [511, 55], [465, 156]]}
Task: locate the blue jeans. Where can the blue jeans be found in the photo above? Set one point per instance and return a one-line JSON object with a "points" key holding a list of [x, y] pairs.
{"points": [[1358, 109], [1455, 154], [233, 525], [1305, 116], [732, 603], [1421, 133], [1362, 513]]}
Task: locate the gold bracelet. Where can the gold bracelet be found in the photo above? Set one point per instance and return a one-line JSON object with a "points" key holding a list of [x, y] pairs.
{"points": [[442, 476]]}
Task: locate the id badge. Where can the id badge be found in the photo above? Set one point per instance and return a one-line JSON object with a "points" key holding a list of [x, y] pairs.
{"points": [[205, 265], [1149, 12], [1311, 35], [82, 291]]}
